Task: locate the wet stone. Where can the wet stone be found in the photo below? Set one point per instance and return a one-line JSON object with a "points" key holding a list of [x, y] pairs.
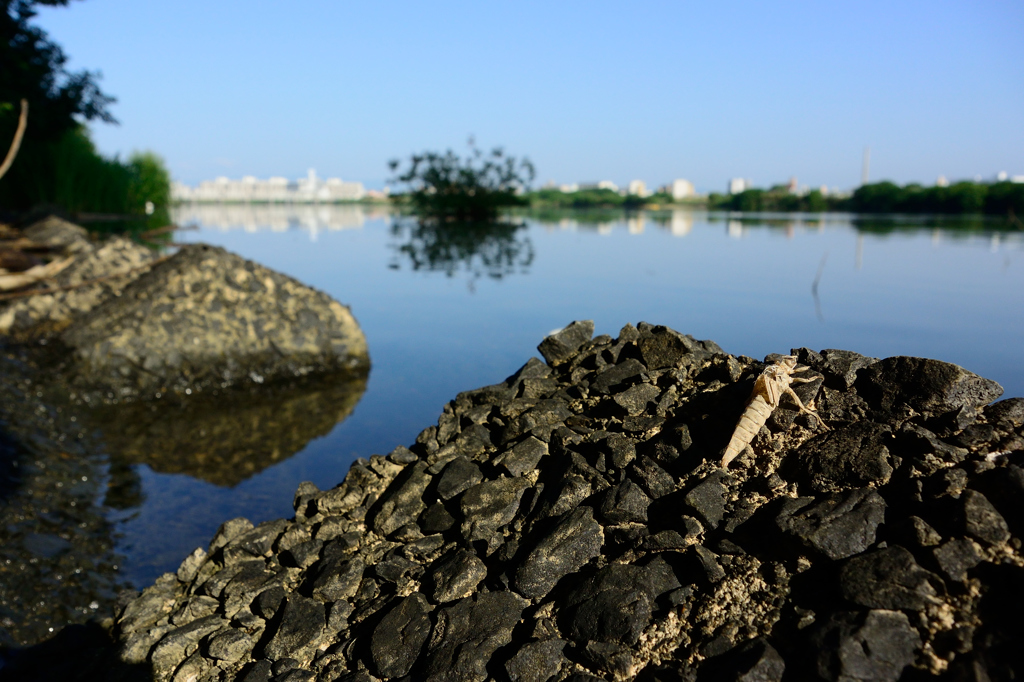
{"points": [[608, 657], [402, 502], [457, 476], [625, 503], [928, 386], [613, 378], [523, 457], [400, 636], [563, 344], [707, 499], [455, 576], [488, 506], [229, 646], [635, 399], [468, 632], [654, 480], [887, 579], [301, 626], [753, 661], [879, 648], [981, 520], [436, 519], [851, 456], [956, 557], [338, 579], [838, 525], [571, 543], [536, 661]]}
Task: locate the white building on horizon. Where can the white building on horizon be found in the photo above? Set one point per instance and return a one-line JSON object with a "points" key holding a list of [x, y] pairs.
{"points": [[309, 189], [682, 189], [739, 185], [638, 188]]}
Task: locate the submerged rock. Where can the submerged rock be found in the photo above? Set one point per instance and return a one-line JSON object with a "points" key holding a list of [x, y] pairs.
{"points": [[572, 523]]}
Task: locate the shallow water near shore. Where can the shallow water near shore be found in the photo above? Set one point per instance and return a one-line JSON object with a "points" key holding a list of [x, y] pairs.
{"points": [[447, 310]]}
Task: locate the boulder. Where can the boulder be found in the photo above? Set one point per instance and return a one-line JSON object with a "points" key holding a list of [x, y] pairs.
{"points": [[206, 319]]}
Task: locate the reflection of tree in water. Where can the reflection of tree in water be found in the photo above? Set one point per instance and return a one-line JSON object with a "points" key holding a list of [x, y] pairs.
{"points": [[491, 249]]}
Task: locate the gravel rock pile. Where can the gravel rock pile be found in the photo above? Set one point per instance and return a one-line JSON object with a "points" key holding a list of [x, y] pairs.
{"points": [[573, 523]]}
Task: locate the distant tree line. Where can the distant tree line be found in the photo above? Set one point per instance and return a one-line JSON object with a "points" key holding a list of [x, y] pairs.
{"points": [[999, 198], [58, 164]]}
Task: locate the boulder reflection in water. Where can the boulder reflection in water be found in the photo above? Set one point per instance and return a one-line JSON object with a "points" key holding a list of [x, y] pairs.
{"points": [[227, 438]]}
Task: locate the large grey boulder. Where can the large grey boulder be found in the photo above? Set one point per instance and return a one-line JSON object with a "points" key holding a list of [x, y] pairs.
{"points": [[207, 319]]}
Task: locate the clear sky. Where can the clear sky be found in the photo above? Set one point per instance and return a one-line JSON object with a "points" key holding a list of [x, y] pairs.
{"points": [[587, 90]]}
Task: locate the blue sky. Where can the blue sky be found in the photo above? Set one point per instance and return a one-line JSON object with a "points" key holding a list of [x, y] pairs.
{"points": [[586, 90]]}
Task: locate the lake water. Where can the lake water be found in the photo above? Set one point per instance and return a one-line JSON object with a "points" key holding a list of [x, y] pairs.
{"points": [[443, 314], [447, 311]]}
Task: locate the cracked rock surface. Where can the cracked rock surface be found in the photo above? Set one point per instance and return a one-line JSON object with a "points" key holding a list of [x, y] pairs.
{"points": [[572, 523]]}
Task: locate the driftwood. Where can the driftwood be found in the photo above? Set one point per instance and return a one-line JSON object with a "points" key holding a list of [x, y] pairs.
{"points": [[18, 134], [33, 274], [83, 283]]}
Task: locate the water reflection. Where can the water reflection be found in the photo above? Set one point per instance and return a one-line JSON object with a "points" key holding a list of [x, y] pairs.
{"points": [[58, 562], [494, 250], [224, 439], [69, 473], [311, 218]]}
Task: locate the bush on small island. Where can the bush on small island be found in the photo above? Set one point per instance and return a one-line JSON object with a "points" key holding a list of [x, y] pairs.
{"points": [[444, 187]]}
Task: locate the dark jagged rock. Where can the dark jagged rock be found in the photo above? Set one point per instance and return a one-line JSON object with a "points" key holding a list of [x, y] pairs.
{"points": [[573, 523], [888, 579], [838, 525], [878, 646], [564, 343]]}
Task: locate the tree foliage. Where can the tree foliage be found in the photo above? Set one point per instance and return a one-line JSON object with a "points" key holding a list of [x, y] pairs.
{"points": [[34, 69], [448, 188], [961, 197], [58, 164]]}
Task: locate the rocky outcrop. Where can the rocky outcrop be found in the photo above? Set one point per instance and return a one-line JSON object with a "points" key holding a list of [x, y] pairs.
{"points": [[572, 523], [127, 325], [206, 319]]}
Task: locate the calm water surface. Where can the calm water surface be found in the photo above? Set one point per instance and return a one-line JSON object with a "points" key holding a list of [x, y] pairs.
{"points": [[445, 313]]}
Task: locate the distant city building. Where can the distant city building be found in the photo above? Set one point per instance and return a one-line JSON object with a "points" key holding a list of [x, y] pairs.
{"points": [[569, 188], [638, 188], [681, 189], [1019, 179], [739, 185], [604, 184], [1001, 176], [309, 189], [942, 181], [792, 185]]}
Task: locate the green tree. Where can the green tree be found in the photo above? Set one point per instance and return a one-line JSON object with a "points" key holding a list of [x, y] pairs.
{"points": [[445, 187], [58, 163]]}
